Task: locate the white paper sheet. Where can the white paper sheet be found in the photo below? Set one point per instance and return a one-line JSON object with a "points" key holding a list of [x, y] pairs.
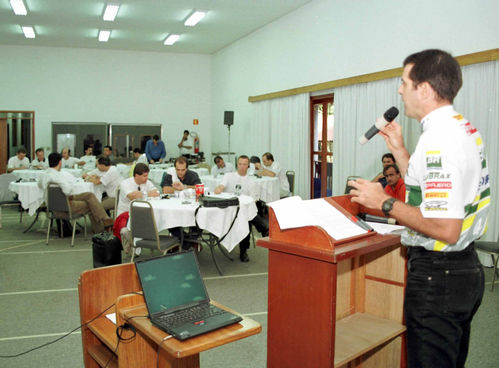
{"points": [[293, 212], [381, 228]]}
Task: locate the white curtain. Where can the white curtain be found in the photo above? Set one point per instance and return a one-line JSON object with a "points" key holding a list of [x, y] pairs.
{"points": [[357, 107], [281, 126]]}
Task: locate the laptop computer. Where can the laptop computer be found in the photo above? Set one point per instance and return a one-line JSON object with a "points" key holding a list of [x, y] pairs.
{"points": [[176, 296]]}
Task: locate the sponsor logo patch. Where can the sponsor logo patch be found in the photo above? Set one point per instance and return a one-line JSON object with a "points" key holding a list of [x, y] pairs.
{"points": [[433, 162], [470, 129], [436, 195], [438, 185], [435, 206]]}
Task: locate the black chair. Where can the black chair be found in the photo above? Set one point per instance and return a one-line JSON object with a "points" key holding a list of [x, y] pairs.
{"points": [[143, 226], [8, 198], [492, 248], [58, 207], [290, 174]]}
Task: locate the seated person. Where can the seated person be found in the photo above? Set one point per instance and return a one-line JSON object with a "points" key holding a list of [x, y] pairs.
{"points": [[108, 152], [139, 156], [273, 169], [155, 150], [110, 179], [18, 162], [40, 162], [246, 186], [182, 179], [186, 143], [386, 159], [255, 165], [69, 162], [221, 167], [89, 159], [130, 189], [395, 184], [82, 203]]}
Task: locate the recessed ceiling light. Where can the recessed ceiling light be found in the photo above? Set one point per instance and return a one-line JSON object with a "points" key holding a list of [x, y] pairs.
{"points": [[104, 35], [28, 31], [18, 7], [111, 11], [194, 18], [171, 39]]}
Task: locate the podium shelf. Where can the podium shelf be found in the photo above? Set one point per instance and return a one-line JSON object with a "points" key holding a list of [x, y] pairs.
{"points": [[103, 356], [360, 333], [105, 330]]}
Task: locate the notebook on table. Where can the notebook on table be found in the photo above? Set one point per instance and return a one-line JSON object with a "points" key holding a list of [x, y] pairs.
{"points": [[176, 296]]}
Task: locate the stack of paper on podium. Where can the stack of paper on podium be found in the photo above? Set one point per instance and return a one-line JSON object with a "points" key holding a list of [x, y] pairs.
{"points": [[293, 212]]}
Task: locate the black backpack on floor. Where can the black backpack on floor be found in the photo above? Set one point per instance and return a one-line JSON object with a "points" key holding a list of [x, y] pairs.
{"points": [[106, 249]]}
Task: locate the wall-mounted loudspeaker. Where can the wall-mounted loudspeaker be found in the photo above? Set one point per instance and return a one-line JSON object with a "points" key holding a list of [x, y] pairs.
{"points": [[228, 118]]}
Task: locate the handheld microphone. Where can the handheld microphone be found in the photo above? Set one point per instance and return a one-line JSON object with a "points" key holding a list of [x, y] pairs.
{"points": [[382, 220], [387, 118]]}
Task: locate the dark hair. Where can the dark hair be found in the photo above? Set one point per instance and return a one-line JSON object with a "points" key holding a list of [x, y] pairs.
{"points": [[104, 161], [140, 169], [181, 160], [109, 147], [137, 150], [388, 155], [69, 150], [39, 150], [186, 131], [385, 169], [217, 158], [255, 159], [155, 137], [54, 159], [86, 147], [21, 150], [268, 156], [439, 69], [244, 157]]}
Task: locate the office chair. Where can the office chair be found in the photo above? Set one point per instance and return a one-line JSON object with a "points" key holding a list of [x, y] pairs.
{"points": [[290, 174], [492, 248]]}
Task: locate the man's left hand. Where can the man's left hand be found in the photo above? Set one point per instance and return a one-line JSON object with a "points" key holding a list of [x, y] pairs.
{"points": [[368, 194]]}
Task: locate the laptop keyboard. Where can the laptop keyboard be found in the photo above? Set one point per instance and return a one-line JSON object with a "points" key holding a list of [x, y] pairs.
{"points": [[191, 314]]}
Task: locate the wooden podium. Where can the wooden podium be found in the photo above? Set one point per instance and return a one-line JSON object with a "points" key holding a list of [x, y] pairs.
{"points": [[118, 289], [334, 303]]}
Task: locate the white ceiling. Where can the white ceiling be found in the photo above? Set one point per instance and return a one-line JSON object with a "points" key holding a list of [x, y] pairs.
{"points": [[141, 25]]}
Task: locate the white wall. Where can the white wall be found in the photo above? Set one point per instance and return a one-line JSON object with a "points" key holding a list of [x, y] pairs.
{"points": [[122, 87], [333, 39]]}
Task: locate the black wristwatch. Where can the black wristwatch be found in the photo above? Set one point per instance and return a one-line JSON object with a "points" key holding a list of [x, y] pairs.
{"points": [[387, 206]]}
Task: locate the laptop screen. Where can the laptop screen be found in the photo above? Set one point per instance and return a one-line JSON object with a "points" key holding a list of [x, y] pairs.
{"points": [[171, 281]]}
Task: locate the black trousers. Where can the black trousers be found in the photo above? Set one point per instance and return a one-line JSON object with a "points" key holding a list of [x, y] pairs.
{"points": [[261, 224], [444, 291]]}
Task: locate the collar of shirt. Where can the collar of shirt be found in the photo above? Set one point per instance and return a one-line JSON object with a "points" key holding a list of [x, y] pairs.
{"points": [[434, 116]]}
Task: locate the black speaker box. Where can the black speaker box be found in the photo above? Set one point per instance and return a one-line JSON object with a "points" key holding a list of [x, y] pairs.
{"points": [[228, 118]]}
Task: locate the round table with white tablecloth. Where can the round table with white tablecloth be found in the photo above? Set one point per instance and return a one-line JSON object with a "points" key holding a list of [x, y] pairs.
{"points": [[175, 212], [268, 187], [31, 196], [28, 174]]}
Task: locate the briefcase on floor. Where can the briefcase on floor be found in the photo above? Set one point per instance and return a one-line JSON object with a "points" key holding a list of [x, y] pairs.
{"points": [[106, 249]]}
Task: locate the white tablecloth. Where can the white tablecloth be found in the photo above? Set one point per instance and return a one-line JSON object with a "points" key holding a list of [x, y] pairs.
{"points": [[173, 212], [32, 197], [28, 174], [160, 166], [155, 175], [268, 187]]}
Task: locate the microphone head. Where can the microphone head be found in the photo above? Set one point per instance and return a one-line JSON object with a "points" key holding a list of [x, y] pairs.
{"points": [[391, 114], [363, 140]]}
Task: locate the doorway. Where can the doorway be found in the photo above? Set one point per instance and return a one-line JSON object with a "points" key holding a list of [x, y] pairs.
{"points": [[321, 134], [17, 130]]}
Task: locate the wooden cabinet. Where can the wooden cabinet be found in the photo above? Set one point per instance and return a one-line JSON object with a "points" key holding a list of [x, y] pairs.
{"points": [[117, 289], [334, 303]]}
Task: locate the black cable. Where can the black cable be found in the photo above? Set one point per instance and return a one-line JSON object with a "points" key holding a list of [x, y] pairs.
{"points": [[159, 347], [230, 227], [59, 338]]}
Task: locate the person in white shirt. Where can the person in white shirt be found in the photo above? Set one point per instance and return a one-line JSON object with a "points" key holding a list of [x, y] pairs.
{"points": [[40, 162], [69, 162], [140, 158], [186, 144], [273, 169], [221, 167], [82, 203], [110, 179], [240, 182], [89, 159], [18, 162], [135, 188]]}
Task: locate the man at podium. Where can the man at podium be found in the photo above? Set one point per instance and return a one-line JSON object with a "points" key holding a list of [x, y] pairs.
{"points": [[447, 181]]}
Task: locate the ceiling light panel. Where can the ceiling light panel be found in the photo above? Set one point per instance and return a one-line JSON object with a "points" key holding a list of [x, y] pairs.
{"points": [[171, 39], [18, 7], [28, 31], [111, 11], [104, 35], [194, 18]]}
